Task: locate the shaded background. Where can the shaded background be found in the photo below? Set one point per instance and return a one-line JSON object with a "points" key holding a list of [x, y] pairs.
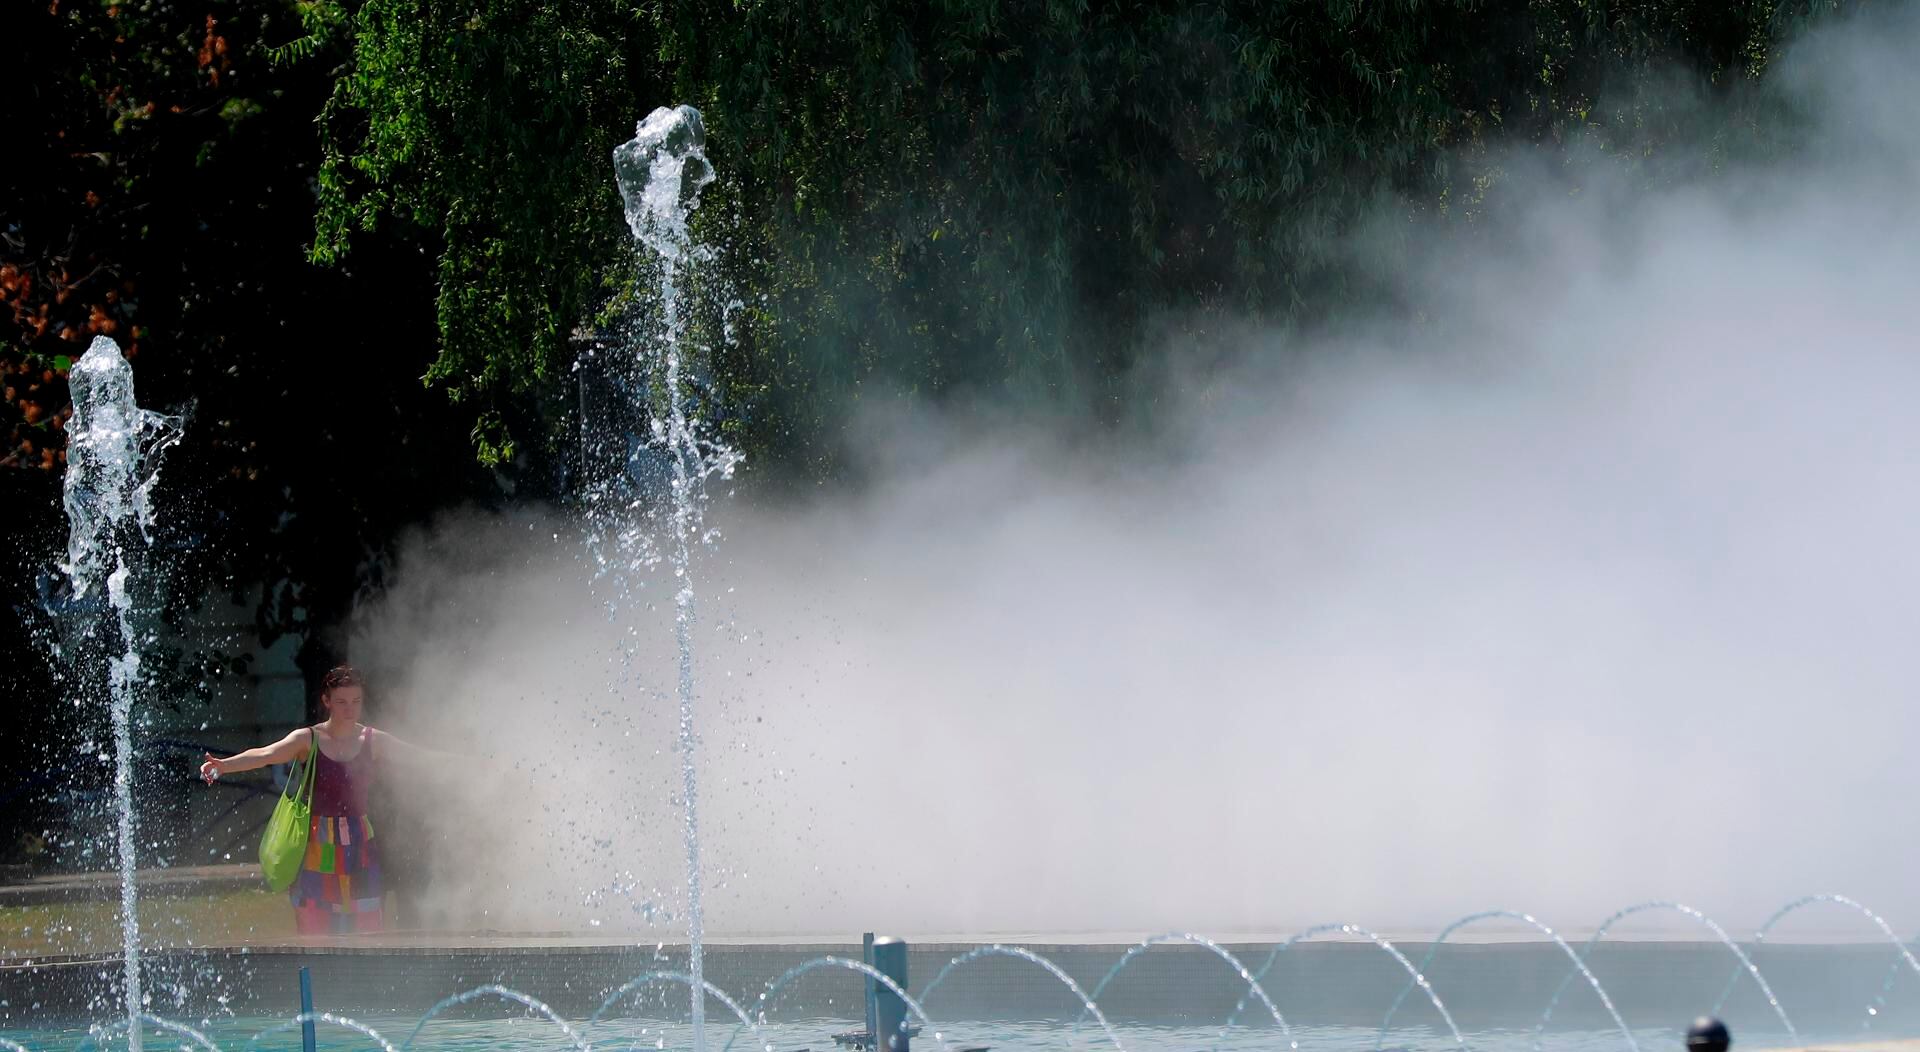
{"points": [[359, 245]]}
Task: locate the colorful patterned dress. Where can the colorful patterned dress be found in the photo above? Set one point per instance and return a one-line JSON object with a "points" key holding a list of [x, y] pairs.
{"points": [[338, 889]]}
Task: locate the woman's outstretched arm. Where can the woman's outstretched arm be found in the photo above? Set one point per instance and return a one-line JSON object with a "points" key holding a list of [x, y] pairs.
{"points": [[290, 748], [413, 755]]}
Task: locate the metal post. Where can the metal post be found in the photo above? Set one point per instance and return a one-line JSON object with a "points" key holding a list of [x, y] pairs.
{"points": [[866, 958], [889, 1011], [1708, 1035], [307, 1043]]}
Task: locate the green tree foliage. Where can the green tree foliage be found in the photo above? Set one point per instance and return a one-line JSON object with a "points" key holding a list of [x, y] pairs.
{"points": [[964, 197], [487, 130]]}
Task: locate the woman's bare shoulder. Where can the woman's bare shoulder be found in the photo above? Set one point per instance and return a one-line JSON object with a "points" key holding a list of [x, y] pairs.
{"points": [[382, 737], [397, 744]]}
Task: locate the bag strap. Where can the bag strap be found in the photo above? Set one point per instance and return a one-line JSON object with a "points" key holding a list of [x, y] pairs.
{"points": [[305, 793]]}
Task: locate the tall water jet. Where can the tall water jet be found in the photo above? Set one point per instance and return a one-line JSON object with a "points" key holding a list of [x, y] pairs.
{"points": [[661, 172], [113, 449]]}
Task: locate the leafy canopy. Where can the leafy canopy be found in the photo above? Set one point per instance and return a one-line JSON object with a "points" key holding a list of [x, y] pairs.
{"points": [[961, 198]]}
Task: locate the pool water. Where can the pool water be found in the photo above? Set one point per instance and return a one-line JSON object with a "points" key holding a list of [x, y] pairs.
{"points": [[531, 1032]]}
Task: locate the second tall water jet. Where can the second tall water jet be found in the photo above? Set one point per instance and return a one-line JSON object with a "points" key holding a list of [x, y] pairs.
{"points": [[661, 172], [112, 449]]}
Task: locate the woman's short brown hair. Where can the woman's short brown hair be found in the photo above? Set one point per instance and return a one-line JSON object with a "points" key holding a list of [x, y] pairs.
{"points": [[341, 676]]}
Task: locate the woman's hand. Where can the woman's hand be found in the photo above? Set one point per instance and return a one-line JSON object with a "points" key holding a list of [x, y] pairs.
{"points": [[286, 750]]}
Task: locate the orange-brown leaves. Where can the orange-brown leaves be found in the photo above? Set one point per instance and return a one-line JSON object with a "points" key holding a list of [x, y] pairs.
{"points": [[213, 52]]}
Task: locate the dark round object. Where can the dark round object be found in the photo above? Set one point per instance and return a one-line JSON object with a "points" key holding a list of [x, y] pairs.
{"points": [[1708, 1035]]}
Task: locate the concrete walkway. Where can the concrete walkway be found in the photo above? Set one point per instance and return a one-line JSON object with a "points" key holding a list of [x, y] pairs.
{"points": [[1885, 1045], [175, 880]]}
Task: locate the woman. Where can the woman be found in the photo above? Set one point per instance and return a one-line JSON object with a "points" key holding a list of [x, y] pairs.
{"points": [[339, 888]]}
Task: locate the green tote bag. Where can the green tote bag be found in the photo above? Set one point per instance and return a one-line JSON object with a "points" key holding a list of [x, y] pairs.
{"points": [[284, 844]]}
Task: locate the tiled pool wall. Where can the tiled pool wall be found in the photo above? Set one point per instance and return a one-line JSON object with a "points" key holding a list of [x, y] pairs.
{"points": [[1828, 988]]}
